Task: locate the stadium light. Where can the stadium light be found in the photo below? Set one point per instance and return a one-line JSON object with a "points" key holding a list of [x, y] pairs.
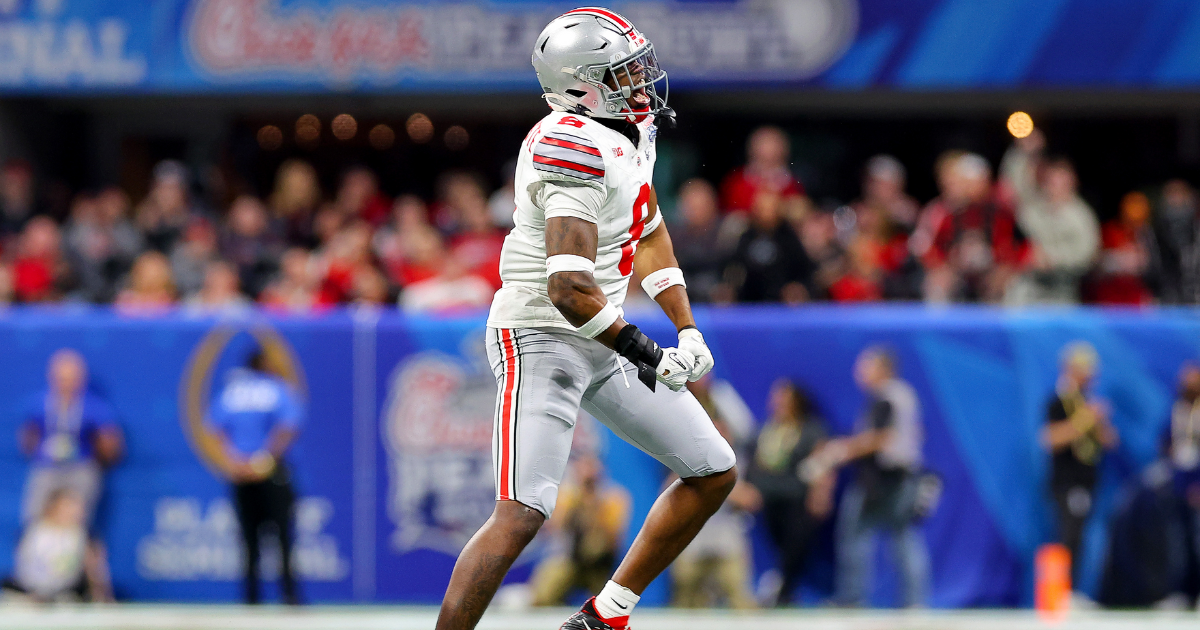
{"points": [[270, 137], [308, 130], [381, 137], [419, 128], [457, 138], [344, 126], [1020, 124]]}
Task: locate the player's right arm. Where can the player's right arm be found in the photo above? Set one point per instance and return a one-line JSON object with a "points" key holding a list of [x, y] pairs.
{"points": [[574, 292]]}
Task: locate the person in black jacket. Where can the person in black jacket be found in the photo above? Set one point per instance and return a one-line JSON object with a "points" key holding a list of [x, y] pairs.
{"points": [[793, 508], [770, 264]]}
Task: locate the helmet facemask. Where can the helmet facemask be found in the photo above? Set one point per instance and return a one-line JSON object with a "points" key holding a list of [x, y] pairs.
{"points": [[629, 88]]}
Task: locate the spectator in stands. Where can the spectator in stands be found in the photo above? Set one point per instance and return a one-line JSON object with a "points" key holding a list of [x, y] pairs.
{"points": [[883, 192], [55, 561], [6, 284], [456, 191], [884, 218], [258, 416], [1183, 453], [699, 246], [192, 254], [861, 278], [502, 203], [1129, 261], [359, 197], [294, 202], [398, 243], [886, 453], [219, 293], [586, 530], [150, 287], [478, 242], [767, 169], [1061, 227], [295, 288], [40, 271], [166, 211], [17, 199], [453, 288], [248, 243], [1178, 230], [347, 256], [71, 433], [371, 288], [792, 507], [1076, 434], [769, 263], [967, 239]]}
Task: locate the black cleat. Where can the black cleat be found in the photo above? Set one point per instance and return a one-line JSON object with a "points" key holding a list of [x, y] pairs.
{"points": [[588, 619]]}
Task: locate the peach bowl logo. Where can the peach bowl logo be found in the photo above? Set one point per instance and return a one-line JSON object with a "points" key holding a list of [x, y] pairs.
{"points": [[437, 430], [195, 388]]}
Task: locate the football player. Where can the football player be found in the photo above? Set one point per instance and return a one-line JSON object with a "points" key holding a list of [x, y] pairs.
{"points": [[587, 217]]}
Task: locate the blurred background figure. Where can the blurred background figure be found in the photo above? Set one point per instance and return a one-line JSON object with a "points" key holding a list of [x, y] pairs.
{"points": [[1177, 225], [793, 507], [1077, 433], [258, 416], [100, 243], [249, 244], [886, 453], [715, 569], [40, 271], [1183, 453], [967, 238], [294, 202], [696, 235], [18, 200], [586, 533], [452, 288], [295, 286], [768, 169], [55, 561], [164, 213], [150, 287], [71, 433], [769, 263], [1063, 233], [1129, 271], [220, 292]]}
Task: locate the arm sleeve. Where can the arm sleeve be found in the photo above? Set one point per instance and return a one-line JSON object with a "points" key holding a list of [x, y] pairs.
{"points": [[560, 199]]}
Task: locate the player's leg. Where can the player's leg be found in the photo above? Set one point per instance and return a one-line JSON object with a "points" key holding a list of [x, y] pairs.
{"points": [[673, 428], [541, 379]]}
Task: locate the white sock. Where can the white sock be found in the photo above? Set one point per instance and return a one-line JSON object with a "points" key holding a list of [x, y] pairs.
{"points": [[615, 601]]}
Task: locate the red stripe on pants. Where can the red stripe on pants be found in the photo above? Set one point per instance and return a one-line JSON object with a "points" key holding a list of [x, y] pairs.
{"points": [[510, 377]]}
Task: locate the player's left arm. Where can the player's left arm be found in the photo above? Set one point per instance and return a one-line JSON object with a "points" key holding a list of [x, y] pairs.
{"points": [[663, 281]]}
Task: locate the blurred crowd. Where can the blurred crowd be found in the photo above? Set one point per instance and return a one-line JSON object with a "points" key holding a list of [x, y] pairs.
{"points": [[1022, 235]]}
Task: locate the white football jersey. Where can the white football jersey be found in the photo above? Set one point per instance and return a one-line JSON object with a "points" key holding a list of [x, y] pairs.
{"points": [[571, 165]]}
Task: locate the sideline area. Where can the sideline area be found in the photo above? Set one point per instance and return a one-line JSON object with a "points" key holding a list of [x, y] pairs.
{"points": [[173, 617]]}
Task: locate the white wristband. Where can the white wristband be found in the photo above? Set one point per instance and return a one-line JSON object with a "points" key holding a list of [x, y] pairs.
{"points": [[660, 280], [600, 322], [568, 262]]}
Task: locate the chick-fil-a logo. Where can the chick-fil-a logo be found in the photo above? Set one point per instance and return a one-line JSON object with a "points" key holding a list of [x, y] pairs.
{"points": [[255, 37]]}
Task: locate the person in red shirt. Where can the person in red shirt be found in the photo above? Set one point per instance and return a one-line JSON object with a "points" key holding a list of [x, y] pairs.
{"points": [[39, 268], [767, 169], [478, 242], [359, 197], [1128, 255], [968, 239]]}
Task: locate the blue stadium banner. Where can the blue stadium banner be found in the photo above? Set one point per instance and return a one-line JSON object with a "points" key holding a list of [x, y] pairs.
{"points": [[393, 466], [239, 46]]}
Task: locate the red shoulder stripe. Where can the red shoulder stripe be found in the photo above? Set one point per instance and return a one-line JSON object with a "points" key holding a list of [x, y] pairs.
{"points": [[583, 148], [568, 165]]}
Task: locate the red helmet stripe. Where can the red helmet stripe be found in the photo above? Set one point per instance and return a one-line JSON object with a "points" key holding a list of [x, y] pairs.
{"points": [[604, 13]]}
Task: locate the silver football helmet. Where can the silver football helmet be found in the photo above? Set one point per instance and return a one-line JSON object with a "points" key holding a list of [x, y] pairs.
{"points": [[592, 61]]}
